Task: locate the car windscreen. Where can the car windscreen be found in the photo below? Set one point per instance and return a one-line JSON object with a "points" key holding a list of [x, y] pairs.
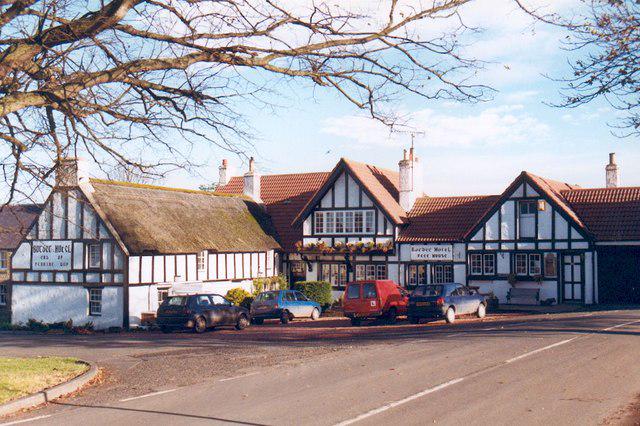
{"points": [[177, 301], [418, 291], [353, 291], [433, 290], [266, 297]]}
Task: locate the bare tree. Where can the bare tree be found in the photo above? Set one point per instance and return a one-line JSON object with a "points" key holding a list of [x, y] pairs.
{"points": [[606, 40], [142, 84]]}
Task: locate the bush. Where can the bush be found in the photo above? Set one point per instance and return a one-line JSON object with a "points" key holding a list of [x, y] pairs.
{"points": [[246, 303], [318, 291], [237, 295]]}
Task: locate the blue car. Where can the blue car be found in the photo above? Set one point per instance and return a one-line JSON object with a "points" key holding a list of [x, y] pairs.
{"points": [[445, 300], [284, 305]]}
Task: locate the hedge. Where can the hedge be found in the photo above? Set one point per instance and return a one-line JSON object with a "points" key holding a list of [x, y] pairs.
{"points": [[318, 291]]}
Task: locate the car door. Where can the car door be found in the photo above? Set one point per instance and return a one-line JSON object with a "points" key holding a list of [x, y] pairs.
{"points": [[204, 307], [456, 299], [290, 303], [304, 304], [473, 300], [224, 310]]}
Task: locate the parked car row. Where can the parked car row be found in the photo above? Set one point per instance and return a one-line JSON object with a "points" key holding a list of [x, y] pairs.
{"points": [[375, 299]]}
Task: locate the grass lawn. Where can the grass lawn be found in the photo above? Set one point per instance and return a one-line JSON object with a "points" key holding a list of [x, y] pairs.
{"points": [[23, 376]]}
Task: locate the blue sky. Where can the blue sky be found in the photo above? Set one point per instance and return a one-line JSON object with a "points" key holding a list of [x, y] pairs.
{"points": [[465, 149]]}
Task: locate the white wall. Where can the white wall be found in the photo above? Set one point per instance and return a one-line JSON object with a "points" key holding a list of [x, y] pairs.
{"points": [[57, 303]]}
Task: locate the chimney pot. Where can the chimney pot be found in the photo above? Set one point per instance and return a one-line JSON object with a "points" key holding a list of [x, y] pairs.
{"points": [[612, 173], [251, 183], [223, 176], [410, 180]]}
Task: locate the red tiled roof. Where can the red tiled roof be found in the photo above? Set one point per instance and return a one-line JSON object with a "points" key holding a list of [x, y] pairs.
{"points": [[434, 219], [284, 196], [554, 190], [611, 214], [15, 221]]}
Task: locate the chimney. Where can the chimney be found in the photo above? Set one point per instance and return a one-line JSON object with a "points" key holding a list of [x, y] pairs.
{"points": [[612, 172], [223, 178], [251, 187], [71, 172], [410, 180]]}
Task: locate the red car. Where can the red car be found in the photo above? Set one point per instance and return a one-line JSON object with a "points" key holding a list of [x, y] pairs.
{"points": [[374, 299]]}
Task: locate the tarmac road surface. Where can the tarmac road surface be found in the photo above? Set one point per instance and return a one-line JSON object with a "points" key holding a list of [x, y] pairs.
{"points": [[580, 368]]}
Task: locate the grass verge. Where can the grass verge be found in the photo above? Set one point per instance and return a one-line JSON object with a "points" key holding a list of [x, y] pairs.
{"points": [[23, 376]]}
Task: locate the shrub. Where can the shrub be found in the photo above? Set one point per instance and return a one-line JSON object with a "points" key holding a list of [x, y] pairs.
{"points": [[237, 295], [246, 303], [318, 291]]}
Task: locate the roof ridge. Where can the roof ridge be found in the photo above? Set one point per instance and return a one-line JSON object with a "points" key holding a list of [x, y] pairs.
{"points": [[163, 188], [600, 188], [383, 169], [459, 196]]}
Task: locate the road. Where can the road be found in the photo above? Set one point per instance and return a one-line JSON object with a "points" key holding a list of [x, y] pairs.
{"points": [[579, 368]]}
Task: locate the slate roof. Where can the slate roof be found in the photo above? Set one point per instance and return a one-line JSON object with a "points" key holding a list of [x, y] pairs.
{"points": [[153, 219], [439, 219], [284, 196], [611, 214], [15, 221]]}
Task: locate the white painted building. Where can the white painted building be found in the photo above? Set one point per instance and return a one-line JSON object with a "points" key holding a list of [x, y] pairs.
{"points": [[106, 252]]}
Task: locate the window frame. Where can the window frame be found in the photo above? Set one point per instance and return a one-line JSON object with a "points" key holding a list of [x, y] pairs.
{"points": [[5, 260], [530, 264], [441, 273], [161, 291], [478, 263], [419, 279], [201, 261], [93, 301], [90, 253], [4, 294], [344, 222], [530, 272], [475, 264]]}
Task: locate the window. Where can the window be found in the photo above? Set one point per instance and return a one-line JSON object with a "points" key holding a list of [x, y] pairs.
{"points": [[535, 265], [476, 264], [528, 207], [353, 291], [442, 274], [550, 265], [219, 300], [416, 275], [369, 291], [201, 261], [335, 273], [203, 301], [521, 264], [381, 272], [95, 301], [527, 218], [4, 296], [163, 294], [371, 271], [300, 297], [93, 254], [5, 257], [289, 297], [319, 222], [489, 266], [344, 222], [177, 301]]}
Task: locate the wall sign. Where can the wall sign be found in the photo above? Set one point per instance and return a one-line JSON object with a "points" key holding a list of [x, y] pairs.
{"points": [[432, 252], [51, 255]]}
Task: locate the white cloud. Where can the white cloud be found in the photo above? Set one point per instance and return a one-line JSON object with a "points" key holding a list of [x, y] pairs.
{"points": [[506, 124]]}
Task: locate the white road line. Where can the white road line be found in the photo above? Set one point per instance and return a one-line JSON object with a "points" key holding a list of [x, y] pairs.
{"points": [[238, 377], [17, 422], [148, 395], [400, 402], [620, 325], [540, 350]]}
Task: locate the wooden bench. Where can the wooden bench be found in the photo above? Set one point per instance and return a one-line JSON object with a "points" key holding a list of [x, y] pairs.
{"points": [[523, 296]]}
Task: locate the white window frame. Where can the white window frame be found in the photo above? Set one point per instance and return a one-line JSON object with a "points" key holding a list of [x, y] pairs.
{"points": [[492, 263], [475, 263], [162, 291], [344, 222], [201, 261], [532, 271], [525, 271], [95, 301], [4, 294], [91, 247]]}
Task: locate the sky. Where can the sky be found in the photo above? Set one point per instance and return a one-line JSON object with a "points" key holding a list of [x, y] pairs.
{"points": [[464, 148]]}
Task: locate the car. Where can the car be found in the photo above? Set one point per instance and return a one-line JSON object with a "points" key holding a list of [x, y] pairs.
{"points": [[374, 299], [445, 301], [284, 305], [200, 312]]}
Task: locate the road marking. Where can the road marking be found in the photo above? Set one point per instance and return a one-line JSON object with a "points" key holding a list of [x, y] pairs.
{"points": [[148, 395], [539, 350], [17, 422], [620, 325], [400, 402], [238, 377]]}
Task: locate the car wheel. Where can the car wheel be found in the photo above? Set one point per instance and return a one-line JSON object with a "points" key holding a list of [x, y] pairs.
{"points": [[392, 316], [257, 321], [356, 321], [414, 320], [482, 311], [242, 322], [165, 329], [315, 314], [200, 326], [450, 315], [285, 317]]}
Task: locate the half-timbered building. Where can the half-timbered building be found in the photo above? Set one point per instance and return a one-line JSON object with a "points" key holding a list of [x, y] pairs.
{"points": [[106, 252]]}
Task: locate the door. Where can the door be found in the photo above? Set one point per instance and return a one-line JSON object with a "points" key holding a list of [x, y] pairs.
{"points": [[572, 277], [291, 304], [223, 310], [206, 308], [306, 307]]}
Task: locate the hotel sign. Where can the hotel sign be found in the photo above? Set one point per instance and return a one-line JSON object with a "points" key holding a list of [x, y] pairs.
{"points": [[432, 252], [51, 255]]}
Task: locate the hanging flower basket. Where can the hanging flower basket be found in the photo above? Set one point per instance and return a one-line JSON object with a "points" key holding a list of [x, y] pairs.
{"points": [[353, 248]]}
